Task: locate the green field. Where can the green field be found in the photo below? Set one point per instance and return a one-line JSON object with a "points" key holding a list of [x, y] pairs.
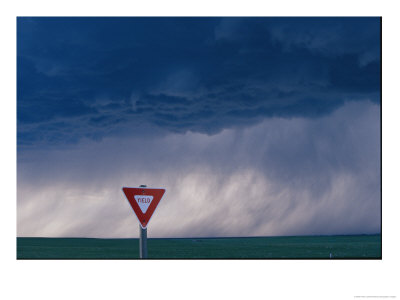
{"points": [[350, 246]]}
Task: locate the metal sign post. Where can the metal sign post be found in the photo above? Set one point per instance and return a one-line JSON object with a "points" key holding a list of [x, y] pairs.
{"points": [[143, 242], [143, 239]]}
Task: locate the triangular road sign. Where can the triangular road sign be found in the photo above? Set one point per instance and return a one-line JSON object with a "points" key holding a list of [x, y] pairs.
{"points": [[144, 202]]}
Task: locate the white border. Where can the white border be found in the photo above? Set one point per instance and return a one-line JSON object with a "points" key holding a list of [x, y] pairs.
{"points": [[259, 279]]}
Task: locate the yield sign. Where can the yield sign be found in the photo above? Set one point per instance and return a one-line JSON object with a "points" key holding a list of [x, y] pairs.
{"points": [[144, 202]]}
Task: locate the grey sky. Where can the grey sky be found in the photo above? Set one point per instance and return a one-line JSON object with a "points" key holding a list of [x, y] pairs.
{"points": [[279, 177]]}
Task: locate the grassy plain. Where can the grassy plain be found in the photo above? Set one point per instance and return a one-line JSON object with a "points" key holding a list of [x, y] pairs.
{"points": [[296, 247]]}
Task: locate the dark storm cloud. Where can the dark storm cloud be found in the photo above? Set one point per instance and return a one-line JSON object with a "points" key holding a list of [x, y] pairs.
{"points": [[105, 76], [271, 123]]}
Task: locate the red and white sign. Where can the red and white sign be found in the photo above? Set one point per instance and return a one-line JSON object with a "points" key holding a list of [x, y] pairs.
{"points": [[144, 202]]}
